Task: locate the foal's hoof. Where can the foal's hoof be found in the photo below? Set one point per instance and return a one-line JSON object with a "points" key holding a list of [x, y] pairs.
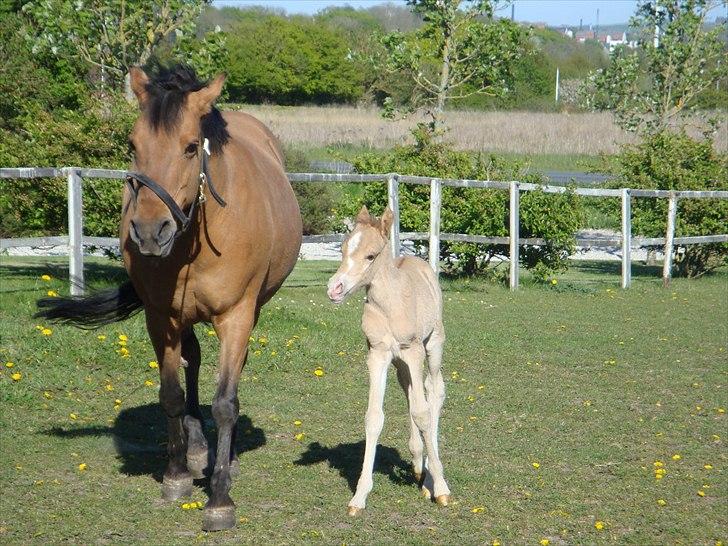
{"points": [[217, 519], [354, 511], [197, 463], [419, 476], [443, 500], [175, 488]]}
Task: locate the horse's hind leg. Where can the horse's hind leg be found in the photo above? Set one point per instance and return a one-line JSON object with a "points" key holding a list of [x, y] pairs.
{"points": [[177, 480], [435, 387], [197, 459]]}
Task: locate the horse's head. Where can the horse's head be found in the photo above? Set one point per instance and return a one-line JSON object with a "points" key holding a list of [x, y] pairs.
{"points": [[358, 252], [177, 115]]}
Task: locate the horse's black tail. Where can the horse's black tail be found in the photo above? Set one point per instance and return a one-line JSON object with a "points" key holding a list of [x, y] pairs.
{"points": [[98, 309]]}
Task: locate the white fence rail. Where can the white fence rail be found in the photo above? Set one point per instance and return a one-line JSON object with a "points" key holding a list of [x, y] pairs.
{"points": [[76, 240]]}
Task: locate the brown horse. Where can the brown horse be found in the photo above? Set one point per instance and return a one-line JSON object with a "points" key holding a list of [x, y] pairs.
{"points": [[218, 262]]}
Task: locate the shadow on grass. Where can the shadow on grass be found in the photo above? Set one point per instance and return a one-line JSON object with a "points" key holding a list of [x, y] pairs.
{"points": [[95, 273], [140, 438], [614, 268], [348, 458]]}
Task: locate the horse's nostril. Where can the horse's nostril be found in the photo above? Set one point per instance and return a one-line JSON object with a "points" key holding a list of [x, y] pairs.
{"points": [[164, 226], [134, 231]]}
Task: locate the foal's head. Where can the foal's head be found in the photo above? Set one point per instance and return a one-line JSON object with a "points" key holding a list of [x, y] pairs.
{"points": [[177, 114], [358, 252]]}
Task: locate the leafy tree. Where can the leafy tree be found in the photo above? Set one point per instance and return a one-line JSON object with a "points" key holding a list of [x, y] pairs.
{"points": [[649, 87]]}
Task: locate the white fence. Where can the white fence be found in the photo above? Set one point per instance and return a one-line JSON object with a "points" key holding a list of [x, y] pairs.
{"points": [[76, 240]]}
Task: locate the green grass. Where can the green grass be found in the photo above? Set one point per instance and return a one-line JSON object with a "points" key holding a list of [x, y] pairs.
{"points": [[593, 383]]}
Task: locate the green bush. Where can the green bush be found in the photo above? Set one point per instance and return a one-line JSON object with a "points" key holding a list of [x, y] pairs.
{"points": [[674, 161], [555, 217]]}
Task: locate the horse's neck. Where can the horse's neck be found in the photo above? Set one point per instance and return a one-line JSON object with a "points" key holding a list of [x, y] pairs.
{"points": [[384, 289]]}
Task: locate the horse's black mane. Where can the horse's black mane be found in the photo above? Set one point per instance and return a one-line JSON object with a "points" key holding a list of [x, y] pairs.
{"points": [[168, 86]]}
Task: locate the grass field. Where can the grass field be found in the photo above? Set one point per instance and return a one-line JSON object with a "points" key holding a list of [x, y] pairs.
{"points": [[563, 404]]}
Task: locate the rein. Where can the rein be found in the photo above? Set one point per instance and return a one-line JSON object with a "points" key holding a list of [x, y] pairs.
{"points": [[204, 179]]}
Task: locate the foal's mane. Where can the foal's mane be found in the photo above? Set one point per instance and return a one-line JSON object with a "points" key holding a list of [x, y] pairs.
{"points": [[168, 88]]}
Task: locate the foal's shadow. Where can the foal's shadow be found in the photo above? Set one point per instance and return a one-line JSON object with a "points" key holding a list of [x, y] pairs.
{"points": [[348, 458], [140, 438]]}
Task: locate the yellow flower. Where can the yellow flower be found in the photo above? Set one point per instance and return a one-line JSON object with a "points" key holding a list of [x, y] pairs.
{"points": [[211, 333], [721, 410], [535, 464], [715, 437], [544, 542], [82, 467], [473, 418], [52, 293], [153, 364], [299, 436], [124, 351], [318, 372], [701, 493], [554, 282], [708, 466], [297, 423], [263, 340], [341, 353], [273, 353], [496, 542], [471, 398], [9, 364], [478, 509], [676, 457], [73, 416], [658, 464], [661, 502], [186, 506], [257, 352], [46, 278], [101, 337], [149, 383], [481, 387], [117, 402], [122, 337], [46, 331], [251, 339], [122, 343], [599, 525], [17, 376], [109, 387], [47, 394]]}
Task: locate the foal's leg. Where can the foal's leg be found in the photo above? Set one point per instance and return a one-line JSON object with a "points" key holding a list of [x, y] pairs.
{"points": [[177, 481], [377, 362], [414, 357], [434, 383], [196, 442], [233, 328], [415, 440]]}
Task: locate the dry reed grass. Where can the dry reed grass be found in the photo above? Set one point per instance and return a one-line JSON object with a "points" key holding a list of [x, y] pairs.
{"points": [[504, 132]]}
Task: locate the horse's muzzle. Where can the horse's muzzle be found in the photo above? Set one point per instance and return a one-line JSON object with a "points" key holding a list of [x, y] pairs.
{"points": [[154, 238]]}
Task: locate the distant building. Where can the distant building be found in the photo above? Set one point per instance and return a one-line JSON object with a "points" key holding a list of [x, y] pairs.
{"points": [[568, 33], [612, 43]]}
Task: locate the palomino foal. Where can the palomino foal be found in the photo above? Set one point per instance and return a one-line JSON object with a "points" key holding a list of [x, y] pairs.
{"points": [[402, 323]]}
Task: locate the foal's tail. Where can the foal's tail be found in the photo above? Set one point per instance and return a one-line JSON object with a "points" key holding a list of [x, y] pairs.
{"points": [[97, 309]]}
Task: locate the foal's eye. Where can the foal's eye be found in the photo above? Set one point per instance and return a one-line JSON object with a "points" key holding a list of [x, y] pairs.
{"points": [[191, 149], [371, 257]]}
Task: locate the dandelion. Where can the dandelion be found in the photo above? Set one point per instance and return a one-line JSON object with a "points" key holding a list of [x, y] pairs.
{"points": [[46, 331], [481, 387], [82, 467], [17, 376], [701, 493], [341, 353], [46, 278], [186, 506], [661, 502], [318, 372], [708, 466], [599, 525], [263, 341], [473, 418], [257, 352], [273, 353], [117, 402], [124, 352], [554, 282], [9, 364], [496, 542], [47, 395], [109, 387], [122, 343], [149, 383], [676, 457], [544, 542], [101, 337], [73, 416], [715, 437], [536, 465], [52, 294], [251, 339], [153, 364], [122, 337], [658, 464], [471, 398], [721, 410], [297, 423], [300, 436], [478, 509], [211, 333]]}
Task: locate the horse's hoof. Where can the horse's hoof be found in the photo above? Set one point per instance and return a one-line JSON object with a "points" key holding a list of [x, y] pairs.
{"points": [[175, 488], [234, 468], [443, 500], [217, 519], [354, 511], [197, 464], [426, 492]]}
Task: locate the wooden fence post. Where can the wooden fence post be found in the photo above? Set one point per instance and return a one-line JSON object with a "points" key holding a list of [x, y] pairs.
{"points": [[75, 233], [514, 234], [669, 239], [626, 238], [393, 191], [435, 203]]}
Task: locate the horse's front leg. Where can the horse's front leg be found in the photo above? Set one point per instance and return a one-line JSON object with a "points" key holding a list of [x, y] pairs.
{"points": [[165, 336], [197, 459], [233, 328]]}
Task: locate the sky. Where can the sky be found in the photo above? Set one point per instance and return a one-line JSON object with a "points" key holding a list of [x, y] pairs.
{"points": [[551, 12]]}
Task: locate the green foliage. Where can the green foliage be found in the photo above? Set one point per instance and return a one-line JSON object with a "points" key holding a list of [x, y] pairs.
{"points": [[289, 61], [474, 211], [669, 161]]}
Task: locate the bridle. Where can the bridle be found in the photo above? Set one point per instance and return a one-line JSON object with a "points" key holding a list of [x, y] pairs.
{"points": [[204, 179]]}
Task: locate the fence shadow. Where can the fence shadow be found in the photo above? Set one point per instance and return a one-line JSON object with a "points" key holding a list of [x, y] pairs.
{"points": [[95, 273], [614, 268], [348, 458], [140, 438]]}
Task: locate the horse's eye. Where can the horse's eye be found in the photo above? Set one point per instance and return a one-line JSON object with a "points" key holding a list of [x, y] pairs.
{"points": [[371, 257], [191, 149]]}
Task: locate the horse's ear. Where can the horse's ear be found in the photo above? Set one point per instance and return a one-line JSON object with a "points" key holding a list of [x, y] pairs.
{"points": [[363, 216], [205, 97], [386, 222], [139, 81]]}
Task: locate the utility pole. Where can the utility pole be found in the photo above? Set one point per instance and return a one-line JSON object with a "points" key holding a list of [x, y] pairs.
{"points": [[513, 11], [596, 32]]}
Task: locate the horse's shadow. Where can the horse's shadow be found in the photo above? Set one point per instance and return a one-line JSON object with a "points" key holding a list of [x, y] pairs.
{"points": [[348, 458], [140, 438]]}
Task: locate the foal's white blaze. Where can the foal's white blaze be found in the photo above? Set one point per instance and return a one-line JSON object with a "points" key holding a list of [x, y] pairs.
{"points": [[345, 278]]}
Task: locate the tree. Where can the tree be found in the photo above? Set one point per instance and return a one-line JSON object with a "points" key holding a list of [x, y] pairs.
{"points": [[109, 36], [676, 60], [459, 51]]}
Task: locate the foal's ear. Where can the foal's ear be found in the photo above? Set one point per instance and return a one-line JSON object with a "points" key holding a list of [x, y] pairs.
{"points": [[363, 217], [386, 222], [139, 81], [203, 99]]}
